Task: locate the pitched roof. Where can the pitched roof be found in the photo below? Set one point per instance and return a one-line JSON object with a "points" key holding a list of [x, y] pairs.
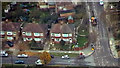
{"points": [[10, 26], [34, 27], [65, 5], [64, 28]]}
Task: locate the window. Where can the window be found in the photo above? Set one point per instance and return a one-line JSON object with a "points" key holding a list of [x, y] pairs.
{"points": [[37, 39], [23, 33], [10, 38], [66, 39], [2, 32], [14, 33], [57, 35], [52, 34], [57, 39], [24, 39], [29, 39], [65, 35], [28, 33], [41, 34], [36, 34], [9, 33], [70, 35]]}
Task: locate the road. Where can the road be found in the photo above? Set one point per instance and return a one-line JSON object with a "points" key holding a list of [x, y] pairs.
{"points": [[102, 55], [29, 60], [73, 61]]}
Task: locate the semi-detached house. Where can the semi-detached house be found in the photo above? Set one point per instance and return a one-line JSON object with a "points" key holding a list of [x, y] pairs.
{"points": [[10, 31], [65, 32], [34, 31]]}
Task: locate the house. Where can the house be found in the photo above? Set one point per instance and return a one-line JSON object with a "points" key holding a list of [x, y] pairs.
{"points": [[60, 6], [43, 5], [62, 31], [34, 31], [46, 5], [10, 31], [65, 9]]}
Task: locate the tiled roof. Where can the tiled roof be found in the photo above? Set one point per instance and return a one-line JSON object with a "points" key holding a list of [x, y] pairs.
{"points": [[10, 26], [64, 28], [34, 27]]}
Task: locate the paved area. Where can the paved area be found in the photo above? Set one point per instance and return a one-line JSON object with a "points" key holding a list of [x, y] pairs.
{"points": [[110, 36]]}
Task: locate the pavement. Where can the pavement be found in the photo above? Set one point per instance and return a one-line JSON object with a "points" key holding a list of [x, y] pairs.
{"points": [[110, 36]]}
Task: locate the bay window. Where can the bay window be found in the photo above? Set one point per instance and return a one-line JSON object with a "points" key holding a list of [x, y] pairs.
{"points": [[28, 34], [36, 34], [57, 35], [65, 35]]}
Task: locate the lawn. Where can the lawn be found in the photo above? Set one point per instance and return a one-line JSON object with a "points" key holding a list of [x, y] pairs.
{"points": [[61, 54], [83, 32], [82, 37], [65, 47], [81, 40]]}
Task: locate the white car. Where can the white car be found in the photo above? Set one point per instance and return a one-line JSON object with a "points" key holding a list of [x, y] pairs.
{"points": [[65, 57], [3, 54], [22, 56], [101, 2], [38, 62]]}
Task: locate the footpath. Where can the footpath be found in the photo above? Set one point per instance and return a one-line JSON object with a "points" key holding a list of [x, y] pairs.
{"points": [[110, 35]]}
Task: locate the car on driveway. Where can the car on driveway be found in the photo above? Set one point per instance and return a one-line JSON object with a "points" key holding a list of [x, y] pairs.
{"points": [[22, 56], [3, 54], [19, 62], [65, 57], [11, 44]]}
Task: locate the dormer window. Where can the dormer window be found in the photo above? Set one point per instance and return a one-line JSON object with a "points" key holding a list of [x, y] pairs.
{"points": [[9, 33], [23, 33]]}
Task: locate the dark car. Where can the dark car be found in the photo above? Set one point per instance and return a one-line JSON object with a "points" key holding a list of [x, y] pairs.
{"points": [[19, 62], [10, 43], [52, 56]]}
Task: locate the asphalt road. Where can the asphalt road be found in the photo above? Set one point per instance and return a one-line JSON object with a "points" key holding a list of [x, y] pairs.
{"points": [[9, 60], [102, 55], [73, 61]]}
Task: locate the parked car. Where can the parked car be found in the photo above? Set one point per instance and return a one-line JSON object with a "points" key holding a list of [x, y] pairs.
{"points": [[65, 57], [92, 45], [52, 56], [101, 2], [10, 43], [19, 62], [39, 62], [22, 56], [3, 54]]}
